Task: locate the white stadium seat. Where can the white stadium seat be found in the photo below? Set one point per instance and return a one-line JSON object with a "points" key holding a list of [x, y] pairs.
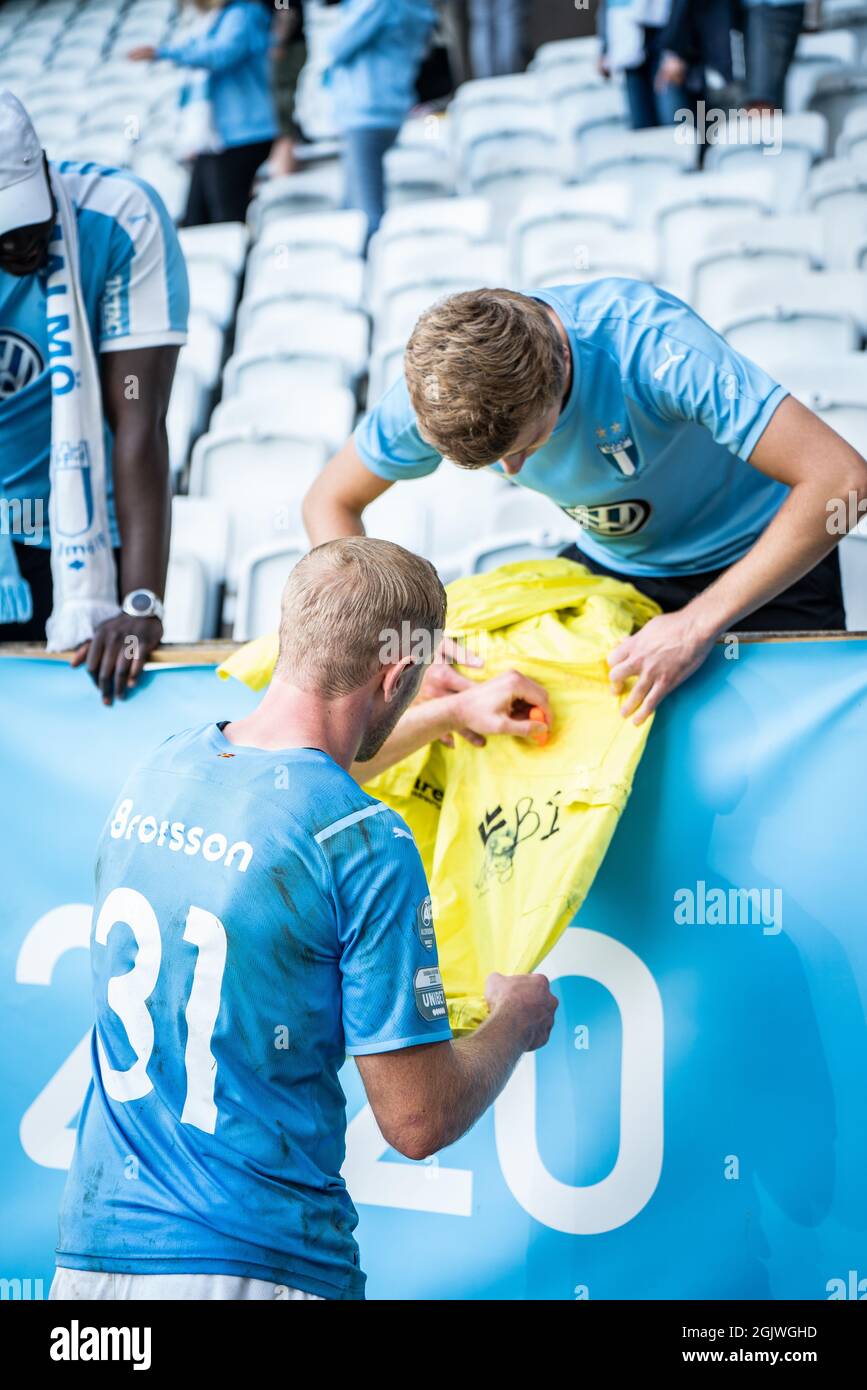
{"points": [[835, 388], [340, 333], [814, 313], [327, 276], [815, 56], [836, 291], [596, 254], [642, 158], [402, 309], [310, 191], [592, 122], [413, 172], [761, 333], [512, 170], [685, 210], [185, 415], [472, 124], [471, 217], [547, 230], [222, 241], [564, 83], [238, 466], [203, 350], [186, 598], [271, 371], [837, 192], [284, 235], [409, 260], [852, 140], [341, 285], [838, 93], [386, 366], [405, 297], [453, 500], [799, 231], [261, 579], [213, 288], [325, 413], [751, 144], [724, 273], [400, 516], [200, 527], [514, 89], [572, 52], [421, 131], [159, 168], [261, 483]]}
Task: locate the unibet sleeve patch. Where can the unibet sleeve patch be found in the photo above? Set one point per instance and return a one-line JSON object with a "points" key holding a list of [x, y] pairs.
{"points": [[430, 998]]}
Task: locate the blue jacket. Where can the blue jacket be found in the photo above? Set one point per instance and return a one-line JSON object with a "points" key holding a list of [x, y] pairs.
{"points": [[234, 52], [376, 55]]}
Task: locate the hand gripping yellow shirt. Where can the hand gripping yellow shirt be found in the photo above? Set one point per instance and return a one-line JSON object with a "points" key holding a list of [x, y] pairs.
{"points": [[512, 834]]}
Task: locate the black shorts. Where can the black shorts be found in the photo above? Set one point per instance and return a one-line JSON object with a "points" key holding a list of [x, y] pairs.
{"points": [[812, 604]]}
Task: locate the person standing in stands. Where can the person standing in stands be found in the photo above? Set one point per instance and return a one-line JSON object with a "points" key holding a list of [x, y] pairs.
{"points": [[497, 36], [376, 56], [234, 53], [633, 43], [288, 56], [697, 39], [93, 310], [771, 32]]}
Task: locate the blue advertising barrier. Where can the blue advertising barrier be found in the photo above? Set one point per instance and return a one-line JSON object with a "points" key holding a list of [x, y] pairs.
{"points": [[696, 1126]]}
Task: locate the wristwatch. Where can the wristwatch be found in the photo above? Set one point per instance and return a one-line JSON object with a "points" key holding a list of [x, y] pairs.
{"points": [[143, 603]]}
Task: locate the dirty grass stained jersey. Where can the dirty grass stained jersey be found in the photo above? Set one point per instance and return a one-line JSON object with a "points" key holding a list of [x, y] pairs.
{"points": [[256, 918]]}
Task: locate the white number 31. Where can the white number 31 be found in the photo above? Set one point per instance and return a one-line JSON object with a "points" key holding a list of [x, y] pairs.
{"points": [[128, 994]]}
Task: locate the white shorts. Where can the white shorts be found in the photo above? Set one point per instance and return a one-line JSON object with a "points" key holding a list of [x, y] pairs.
{"points": [[69, 1284]]}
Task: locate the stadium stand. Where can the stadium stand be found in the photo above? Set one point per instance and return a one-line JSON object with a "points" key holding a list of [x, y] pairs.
{"points": [[526, 180]]}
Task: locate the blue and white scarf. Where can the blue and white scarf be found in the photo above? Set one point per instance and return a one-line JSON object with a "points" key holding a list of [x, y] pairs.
{"points": [[82, 563], [624, 29]]}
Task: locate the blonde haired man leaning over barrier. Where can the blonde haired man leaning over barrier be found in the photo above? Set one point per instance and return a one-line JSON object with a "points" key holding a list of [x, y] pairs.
{"points": [[688, 470], [258, 916]]}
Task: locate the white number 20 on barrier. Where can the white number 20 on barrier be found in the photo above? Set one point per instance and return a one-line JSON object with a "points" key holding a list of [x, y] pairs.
{"points": [[577, 1210]]}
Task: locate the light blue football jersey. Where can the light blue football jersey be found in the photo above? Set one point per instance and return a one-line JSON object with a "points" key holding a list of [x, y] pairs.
{"points": [[136, 294], [649, 455], [257, 917]]}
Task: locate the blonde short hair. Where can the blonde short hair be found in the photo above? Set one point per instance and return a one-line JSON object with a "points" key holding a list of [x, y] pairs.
{"points": [[480, 367], [342, 605]]}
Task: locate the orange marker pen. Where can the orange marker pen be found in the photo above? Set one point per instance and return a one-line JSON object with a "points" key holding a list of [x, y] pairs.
{"points": [[539, 716]]}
